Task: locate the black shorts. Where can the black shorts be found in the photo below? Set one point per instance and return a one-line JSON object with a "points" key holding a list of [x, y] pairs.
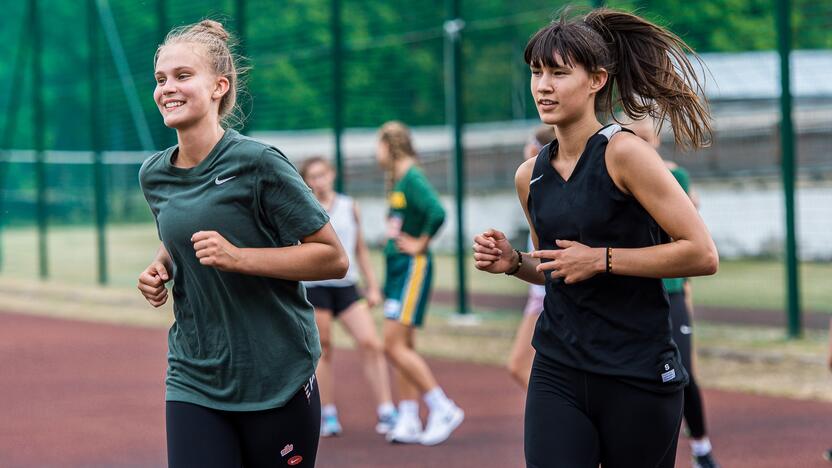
{"points": [[334, 298]]}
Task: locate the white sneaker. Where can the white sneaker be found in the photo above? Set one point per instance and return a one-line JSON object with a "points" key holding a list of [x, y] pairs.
{"points": [[330, 426], [386, 423], [408, 430], [441, 424]]}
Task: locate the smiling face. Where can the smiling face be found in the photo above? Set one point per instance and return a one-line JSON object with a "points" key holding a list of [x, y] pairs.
{"points": [[564, 93], [187, 90]]}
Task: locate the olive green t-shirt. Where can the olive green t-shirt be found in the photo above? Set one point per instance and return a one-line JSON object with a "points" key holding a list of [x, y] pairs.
{"points": [[676, 285], [239, 342], [415, 209]]}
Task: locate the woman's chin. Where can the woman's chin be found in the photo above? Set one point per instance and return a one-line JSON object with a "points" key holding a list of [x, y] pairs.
{"points": [[175, 123]]}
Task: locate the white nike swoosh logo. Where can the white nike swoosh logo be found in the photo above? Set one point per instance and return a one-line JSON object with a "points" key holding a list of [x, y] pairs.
{"points": [[536, 179], [219, 181]]}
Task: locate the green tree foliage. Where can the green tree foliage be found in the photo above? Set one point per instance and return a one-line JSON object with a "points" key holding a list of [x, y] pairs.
{"points": [[393, 64]]}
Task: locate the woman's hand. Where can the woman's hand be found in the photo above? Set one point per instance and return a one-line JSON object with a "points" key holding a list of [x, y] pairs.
{"points": [[213, 250], [373, 297], [574, 261], [412, 245], [152, 283], [493, 252]]}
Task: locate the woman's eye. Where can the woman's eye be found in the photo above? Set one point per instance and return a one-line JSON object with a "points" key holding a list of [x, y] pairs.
{"points": [[160, 81], [183, 76]]}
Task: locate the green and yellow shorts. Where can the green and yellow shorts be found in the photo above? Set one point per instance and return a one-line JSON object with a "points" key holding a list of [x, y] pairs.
{"points": [[407, 288]]}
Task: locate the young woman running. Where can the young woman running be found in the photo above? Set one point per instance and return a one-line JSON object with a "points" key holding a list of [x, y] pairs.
{"points": [[239, 231], [522, 353], [414, 218], [339, 299], [607, 381], [681, 306]]}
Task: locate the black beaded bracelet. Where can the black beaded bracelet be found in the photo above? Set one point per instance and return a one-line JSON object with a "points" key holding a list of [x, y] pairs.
{"points": [[519, 264]]}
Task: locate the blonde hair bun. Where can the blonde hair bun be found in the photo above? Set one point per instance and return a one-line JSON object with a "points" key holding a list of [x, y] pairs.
{"points": [[212, 27]]}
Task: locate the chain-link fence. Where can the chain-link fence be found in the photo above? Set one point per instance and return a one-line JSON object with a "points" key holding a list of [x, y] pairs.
{"points": [[78, 76]]}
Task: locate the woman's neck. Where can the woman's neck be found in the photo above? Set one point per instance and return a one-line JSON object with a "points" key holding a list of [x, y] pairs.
{"points": [[326, 199], [572, 137], [401, 167], [196, 142]]}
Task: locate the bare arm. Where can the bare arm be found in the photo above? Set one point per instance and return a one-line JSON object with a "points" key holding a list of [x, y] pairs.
{"points": [[637, 169], [163, 257], [319, 256], [522, 178], [362, 255]]}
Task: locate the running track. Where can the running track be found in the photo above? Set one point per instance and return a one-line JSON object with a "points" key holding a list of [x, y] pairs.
{"points": [[76, 394]]}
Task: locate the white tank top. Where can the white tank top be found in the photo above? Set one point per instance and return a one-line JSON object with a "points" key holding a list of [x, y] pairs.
{"points": [[342, 217]]}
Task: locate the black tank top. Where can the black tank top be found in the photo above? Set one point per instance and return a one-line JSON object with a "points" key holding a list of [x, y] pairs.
{"points": [[609, 324]]}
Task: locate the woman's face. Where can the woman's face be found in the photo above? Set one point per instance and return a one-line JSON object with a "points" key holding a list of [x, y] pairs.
{"points": [[382, 154], [564, 94], [320, 178], [187, 90]]}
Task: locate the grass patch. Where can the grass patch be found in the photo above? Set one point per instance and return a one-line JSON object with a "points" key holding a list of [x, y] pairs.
{"points": [[73, 259]]}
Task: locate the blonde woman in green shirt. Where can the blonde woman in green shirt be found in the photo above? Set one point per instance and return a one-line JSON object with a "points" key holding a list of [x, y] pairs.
{"points": [[414, 217], [240, 230]]}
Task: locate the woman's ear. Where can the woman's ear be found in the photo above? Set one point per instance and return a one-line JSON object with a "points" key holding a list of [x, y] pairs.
{"points": [[598, 79], [221, 87]]}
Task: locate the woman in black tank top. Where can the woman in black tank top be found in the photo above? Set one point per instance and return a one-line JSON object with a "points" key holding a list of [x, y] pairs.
{"points": [[606, 384]]}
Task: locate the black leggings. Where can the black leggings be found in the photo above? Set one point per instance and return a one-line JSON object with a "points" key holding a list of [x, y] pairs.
{"points": [[576, 419], [682, 333], [201, 437]]}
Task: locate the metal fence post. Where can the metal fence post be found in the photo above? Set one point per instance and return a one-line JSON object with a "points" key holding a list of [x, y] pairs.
{"points": [[95, 139], [787, 148], [337, 93], [38, 135], [453, 37]]}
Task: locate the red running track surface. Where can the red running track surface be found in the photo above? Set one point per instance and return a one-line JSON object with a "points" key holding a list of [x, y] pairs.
{"points": [[76, 394]]}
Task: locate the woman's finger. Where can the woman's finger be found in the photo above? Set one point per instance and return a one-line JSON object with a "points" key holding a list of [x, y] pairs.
{"points": [[481, 257], [487, 250], [150, 289], [547, 254]]}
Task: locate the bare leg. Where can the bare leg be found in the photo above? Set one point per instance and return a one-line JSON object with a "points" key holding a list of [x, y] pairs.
{"points": [[359, 323], [522, 353], [324, 373], [398, 345]]}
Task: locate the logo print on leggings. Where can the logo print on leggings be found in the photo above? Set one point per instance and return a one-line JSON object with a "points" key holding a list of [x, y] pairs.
{"points": [[287, 450], [669, 375], [308, 387], [295, 460]]}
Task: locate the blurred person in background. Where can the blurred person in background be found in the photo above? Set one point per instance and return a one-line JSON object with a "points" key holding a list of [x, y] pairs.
{"points": [[414, 217], [340, 299], [522, 353], [681, 311], [827, 455]]}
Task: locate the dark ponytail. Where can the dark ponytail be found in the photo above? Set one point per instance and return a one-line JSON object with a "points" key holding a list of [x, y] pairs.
{"points": [[649, 71]]}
